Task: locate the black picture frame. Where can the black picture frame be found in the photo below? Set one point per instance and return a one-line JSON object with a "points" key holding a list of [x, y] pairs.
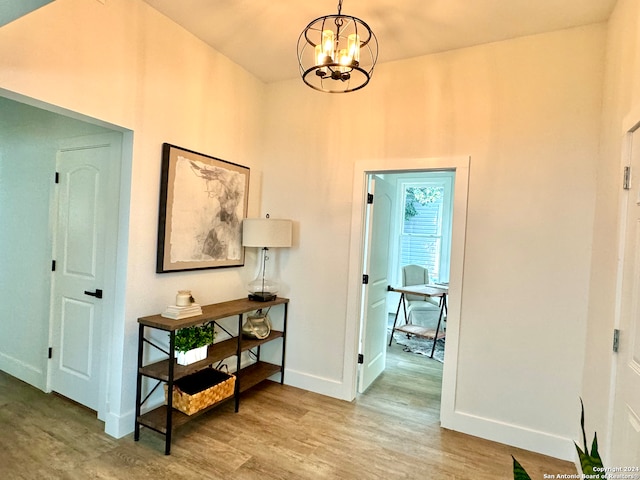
{"points": [[203, 201]]}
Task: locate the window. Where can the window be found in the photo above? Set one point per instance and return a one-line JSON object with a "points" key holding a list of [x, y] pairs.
{"points": [[425, 230]]}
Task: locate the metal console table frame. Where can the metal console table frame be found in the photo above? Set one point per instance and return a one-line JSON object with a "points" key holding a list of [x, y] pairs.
{"points": [[164, 419]]}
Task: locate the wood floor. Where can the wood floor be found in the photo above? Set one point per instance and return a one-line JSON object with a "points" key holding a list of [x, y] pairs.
{"points": [[281, 432]]}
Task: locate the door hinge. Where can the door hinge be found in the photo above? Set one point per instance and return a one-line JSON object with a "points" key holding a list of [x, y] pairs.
{"points": [[360, 358], [626, 178], [370, 198], [365, 279], [53, 265], [616, 339], [57, 179], [50, 353]]}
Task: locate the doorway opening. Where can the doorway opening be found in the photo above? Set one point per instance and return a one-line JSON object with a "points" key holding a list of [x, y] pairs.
{"points": [[37, 140], [360, 325], [407, 244]]}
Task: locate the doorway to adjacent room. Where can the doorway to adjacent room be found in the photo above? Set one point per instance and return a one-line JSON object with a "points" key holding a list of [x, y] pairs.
{"points": [[408, 226], [373, 322]]}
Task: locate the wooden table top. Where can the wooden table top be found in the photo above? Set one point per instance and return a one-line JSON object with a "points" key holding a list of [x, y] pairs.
{"points": [[214, 311], [424, 290]]}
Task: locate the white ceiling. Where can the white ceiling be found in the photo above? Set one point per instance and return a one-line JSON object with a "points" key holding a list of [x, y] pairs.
{"points": [[262, 35]]}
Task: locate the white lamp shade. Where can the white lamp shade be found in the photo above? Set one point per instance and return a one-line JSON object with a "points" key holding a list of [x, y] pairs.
{"points": [[266, 232]]}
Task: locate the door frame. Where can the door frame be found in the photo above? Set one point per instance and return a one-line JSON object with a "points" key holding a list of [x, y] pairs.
{"points": [[630, 125], [461, 165]]}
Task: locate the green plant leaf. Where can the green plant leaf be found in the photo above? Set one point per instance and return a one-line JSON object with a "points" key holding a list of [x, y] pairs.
{"points": [[519, 473], [594, 448], [193, 337], [584, 435], [589, 461], [421, 195]]}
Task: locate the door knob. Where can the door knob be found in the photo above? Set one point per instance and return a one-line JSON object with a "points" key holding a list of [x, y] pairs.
{"points": [[97, 293]]}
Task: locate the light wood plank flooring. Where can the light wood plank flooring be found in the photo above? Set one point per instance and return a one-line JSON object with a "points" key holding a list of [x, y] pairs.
{"points": [[280, 432]]}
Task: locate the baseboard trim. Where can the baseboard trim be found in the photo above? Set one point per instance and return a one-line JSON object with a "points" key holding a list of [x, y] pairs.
{"points": [[119, 426], [322, 385], [514, 435], [23, 371]]}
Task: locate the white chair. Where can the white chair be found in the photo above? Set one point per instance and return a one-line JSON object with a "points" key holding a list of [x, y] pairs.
{"points": [[418, 275]]}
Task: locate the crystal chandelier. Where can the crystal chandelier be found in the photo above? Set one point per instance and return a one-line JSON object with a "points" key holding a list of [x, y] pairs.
{"points": [[337, 53]]}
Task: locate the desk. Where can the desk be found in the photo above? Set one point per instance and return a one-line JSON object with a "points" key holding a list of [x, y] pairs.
{"points": [[417, 330]]}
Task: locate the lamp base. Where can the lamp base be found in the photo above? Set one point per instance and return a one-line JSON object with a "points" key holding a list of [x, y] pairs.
{"points": [[262, 296]]}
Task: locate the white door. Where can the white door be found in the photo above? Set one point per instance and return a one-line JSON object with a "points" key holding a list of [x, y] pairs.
{"points": [[374, 323], [83, 228], [625, 446]]}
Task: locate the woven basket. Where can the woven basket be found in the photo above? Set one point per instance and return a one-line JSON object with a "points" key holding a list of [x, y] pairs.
{"points": [[201, 389]]}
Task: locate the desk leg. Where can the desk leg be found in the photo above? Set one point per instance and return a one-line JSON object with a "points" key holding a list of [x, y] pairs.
{"points": [[443, 307], [395, 320], [403, 299]]}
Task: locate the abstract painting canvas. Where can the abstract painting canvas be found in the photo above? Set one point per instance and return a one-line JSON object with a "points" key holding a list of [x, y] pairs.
{"points": [[202, 203]]}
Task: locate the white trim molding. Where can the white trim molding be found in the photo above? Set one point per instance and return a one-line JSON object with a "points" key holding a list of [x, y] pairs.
{"points": [[461, 166]]}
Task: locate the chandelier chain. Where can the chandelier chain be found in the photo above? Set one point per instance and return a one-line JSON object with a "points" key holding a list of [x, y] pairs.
{"points": [[339, 21]]}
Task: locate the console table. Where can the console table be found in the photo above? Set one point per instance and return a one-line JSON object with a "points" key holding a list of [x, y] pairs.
{"points": [[165, 419]]}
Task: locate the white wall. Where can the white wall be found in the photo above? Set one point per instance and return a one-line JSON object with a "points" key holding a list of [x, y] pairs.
{"points": [[124, 63], [527, 112], [25, 264], [28, 144]]}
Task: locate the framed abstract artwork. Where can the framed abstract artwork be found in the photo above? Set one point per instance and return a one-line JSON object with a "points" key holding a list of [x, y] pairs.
{"points": [[203, 201]]}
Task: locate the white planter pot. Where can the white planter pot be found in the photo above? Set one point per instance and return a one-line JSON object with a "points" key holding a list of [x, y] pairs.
{"points": [[192, 356]]}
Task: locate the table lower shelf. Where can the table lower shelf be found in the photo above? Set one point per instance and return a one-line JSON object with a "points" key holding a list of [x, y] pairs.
{"points": [[420, 331], [253, 374], [250, 376]]}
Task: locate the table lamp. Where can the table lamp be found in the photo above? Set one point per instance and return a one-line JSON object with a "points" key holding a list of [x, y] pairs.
{"points": [[265, 233]]}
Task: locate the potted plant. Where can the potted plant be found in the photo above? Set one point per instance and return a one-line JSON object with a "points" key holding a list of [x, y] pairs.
{"points": [[191, 343]]}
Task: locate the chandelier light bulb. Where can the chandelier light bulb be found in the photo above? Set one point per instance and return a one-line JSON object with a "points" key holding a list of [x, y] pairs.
{"points": [[354, 47], [344, 57], [328, 43]]}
